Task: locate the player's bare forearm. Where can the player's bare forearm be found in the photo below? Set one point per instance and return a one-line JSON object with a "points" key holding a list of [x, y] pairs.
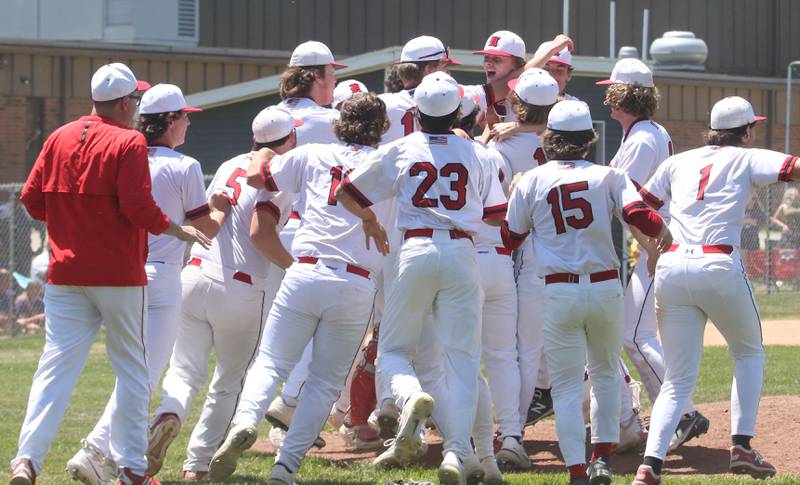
{"points": [[210, 224], [255, 169], [264, 234], [548, 50], [188, 234], [372, 228]]}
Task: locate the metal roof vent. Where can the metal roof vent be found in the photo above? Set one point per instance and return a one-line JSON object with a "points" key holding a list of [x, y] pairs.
{"points": [[628, 52], [679, 51]]}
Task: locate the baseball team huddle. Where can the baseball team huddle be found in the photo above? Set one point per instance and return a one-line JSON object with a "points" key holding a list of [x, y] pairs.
{"points": [[371, 264]]}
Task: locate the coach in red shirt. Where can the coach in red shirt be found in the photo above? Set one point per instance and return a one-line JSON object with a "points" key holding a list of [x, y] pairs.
{"points": [[91, 185]]}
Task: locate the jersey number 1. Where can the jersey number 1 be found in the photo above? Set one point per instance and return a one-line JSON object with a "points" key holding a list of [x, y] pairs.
{"points": [[567, 202], [336, 181], [408, 122], [705, 173]]}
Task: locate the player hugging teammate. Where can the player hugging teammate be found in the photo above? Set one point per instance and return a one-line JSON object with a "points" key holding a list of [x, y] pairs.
{"points": [[393, 214]]}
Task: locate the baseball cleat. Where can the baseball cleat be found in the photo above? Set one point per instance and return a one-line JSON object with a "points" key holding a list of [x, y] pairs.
{"points": [[632, 436], [91, 466], [277, 434], [646, 476], [280, 475], [386, 419], [361, 438], [541, 406], [579, 481], [450, 471], [23, 473], [224, 461], [473, 470], [194, 475], [162, 433], [279, 414], [750, 462], [512, 454], [599, 472], [127, 477], [491, 472], [691, 425], [417, 409]]}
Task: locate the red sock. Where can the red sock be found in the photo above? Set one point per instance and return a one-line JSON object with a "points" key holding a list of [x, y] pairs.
{"points": [[577, 471], [602, 450]]}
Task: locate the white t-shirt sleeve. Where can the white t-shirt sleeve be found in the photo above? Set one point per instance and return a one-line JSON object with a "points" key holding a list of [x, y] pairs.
{"points": [[657, 191], [519, 215], [287, 172], [768, 166], [642, 161], [193, 192], [376, 179]]}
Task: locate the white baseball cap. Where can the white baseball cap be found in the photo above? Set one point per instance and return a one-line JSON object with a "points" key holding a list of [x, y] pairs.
{"points": [[426, 48], [438, 94], [630, 71], [345, 89], [272, 124], [535, 86], [468, 104], [113, 81], [164, 98], [313, 53], [564, 56], [570, 116], [732, 112], [504, 43]]}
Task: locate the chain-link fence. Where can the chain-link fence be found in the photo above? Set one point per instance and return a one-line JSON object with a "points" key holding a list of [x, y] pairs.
{"points": [[770, 250]]}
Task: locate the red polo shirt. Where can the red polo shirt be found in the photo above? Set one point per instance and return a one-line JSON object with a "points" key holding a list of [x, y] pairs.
{"points": [[91, 184]]}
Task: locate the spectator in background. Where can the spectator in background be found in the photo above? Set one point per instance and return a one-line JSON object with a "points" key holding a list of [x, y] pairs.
{"points": [[754, 218], [6, 303], [29, 307], [787, 217]]}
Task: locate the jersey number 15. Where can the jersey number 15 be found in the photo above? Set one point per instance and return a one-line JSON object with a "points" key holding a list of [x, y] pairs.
{"points": [[568, 202]]}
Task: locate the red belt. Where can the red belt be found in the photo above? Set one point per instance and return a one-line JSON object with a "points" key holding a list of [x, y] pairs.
{"points": [[239, 276], [503, 250], [710, 248], [294, 215], [573, 278], [454, 234], [351, 268]]}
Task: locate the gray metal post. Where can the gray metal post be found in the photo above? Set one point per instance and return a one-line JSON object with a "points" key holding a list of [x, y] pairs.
{"points": [[788, 127], [12, 233]]}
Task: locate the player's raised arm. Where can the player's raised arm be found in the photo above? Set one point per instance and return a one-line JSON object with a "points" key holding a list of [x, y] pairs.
{"points": [[548, 50], [267, 124]]}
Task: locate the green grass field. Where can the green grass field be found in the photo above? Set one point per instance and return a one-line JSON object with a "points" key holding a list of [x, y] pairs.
{"points": [[19, 356]]}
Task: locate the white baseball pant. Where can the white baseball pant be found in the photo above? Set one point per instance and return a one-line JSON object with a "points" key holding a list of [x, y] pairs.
{"points": [[691, 288], [163, 315], [436, 274], [324, 301], [73, 315], [530, 335], [499, 338], [226, 315], [584, 320]]}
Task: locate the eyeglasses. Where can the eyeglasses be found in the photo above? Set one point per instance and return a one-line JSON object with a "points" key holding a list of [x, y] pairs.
{"points": [[136, 99]]}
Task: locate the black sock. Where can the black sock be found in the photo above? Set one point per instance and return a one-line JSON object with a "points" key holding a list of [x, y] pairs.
{"points": [[742, 440], [654, 463]]}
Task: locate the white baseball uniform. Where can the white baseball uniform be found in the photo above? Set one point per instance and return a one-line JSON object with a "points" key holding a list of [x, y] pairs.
{"points": [[485, 96], [702, 277], [317, 127], [225, 302], [179, 190], [444, 188], [400, 110], [568, 206], [328, 294]]}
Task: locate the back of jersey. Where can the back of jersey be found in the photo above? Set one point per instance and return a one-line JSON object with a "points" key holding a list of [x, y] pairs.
{"points": [[644, 147], [317, 120], [522, 152], [571, 205], [233, 248], [400, 110], [708, 189]]}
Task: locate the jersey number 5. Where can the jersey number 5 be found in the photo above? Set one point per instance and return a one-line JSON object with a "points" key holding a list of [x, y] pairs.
{"points": [[235, 185], [567, 202], [459, 185]]}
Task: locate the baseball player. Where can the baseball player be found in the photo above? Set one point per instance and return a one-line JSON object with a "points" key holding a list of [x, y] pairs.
{"points": [[567, 204], [346, 89], [702, 278], [225, 299], [92, 178], [328, 293], [633, 100], [443, 189], [179, 190], [306, 87]]}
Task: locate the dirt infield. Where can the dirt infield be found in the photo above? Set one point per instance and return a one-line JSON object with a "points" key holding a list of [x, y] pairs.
{"points": [[775, 332], [778, 439]]}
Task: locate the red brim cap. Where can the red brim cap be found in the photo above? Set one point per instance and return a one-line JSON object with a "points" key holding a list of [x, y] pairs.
{"points": [[560, 61], [492, 52], [760, 118], [451, 62], [512, 84], [191, 109], [298, 122], [338, 66], [460, 91], [605, 82], [142, 85]]}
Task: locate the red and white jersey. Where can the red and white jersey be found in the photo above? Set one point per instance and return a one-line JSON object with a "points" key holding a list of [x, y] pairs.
{"points": [[440, 181], [521, 152], [317, 120], [567, 206], [400, 109], [708, 189], [484, 96], [328, 229], [233, 248], [180, 192], [644, 146], [489, 236]]}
